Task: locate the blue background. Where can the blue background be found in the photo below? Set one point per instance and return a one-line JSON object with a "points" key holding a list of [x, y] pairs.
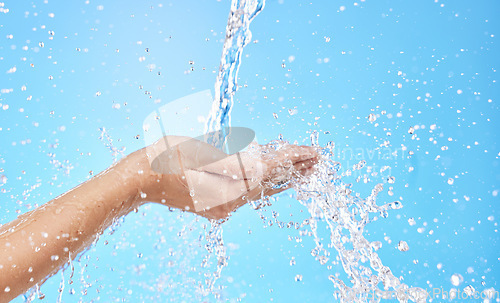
{"points": [[318, 68]]}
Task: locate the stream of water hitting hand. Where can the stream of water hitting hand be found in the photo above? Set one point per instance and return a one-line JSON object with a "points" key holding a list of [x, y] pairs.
{"points": [[324, 194], [238, 35]]}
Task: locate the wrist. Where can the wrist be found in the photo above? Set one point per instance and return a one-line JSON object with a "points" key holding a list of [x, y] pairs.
{"points": [[131, 174]]}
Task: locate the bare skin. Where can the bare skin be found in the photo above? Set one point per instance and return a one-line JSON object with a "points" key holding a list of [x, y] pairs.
{"points": [[39, 243]]}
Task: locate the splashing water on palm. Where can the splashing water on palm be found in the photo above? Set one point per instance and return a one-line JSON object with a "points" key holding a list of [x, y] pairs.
{"points": [[327, 198]]}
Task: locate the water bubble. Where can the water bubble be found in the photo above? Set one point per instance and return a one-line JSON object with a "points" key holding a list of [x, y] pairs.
{"points": [[403, 246]]}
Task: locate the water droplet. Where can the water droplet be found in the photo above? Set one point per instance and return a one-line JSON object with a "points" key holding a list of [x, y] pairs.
{"points": [[391, 180], [98, 93], [450, 181], [41, 44], [403, 246], [456, 279], [411, 130], [292, 261], [7, 289], [275, 115], [54, 257], [372, 117], [469, 290], [51, 77], [376, 245], [411, 221], [298, 278]]}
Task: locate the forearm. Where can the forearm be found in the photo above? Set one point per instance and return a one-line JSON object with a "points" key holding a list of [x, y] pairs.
{"points": [[40, 242]]}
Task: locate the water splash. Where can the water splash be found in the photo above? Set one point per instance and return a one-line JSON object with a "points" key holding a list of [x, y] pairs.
{"points": [[116, 153], [330, 200], [327, 198], [214, 245], [238, 35]]}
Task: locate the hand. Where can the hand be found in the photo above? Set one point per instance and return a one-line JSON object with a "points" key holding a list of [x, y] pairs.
{"points": [[194, 176]]}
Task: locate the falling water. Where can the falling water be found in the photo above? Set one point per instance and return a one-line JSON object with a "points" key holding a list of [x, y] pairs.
{"points": [[238, 35]]}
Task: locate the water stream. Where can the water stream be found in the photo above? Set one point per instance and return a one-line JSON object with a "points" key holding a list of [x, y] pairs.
{"points": [[238, 35]]}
